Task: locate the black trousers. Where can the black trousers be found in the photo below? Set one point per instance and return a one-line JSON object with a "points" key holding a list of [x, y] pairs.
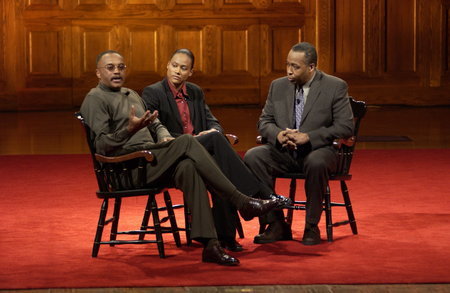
{"points": [[233, 167], [185, 164], [266, 162]]}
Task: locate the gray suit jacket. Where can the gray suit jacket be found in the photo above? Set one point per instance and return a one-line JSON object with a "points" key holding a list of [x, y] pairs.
{"points": [[327, 114]]}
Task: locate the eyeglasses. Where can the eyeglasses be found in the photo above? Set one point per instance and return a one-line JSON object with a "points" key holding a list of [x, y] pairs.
{"points": [[112, 67]]}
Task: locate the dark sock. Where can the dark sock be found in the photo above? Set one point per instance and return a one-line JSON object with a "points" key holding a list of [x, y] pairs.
{"points": [[203, 241], [207, 242], [211, 242], [238, 199]]}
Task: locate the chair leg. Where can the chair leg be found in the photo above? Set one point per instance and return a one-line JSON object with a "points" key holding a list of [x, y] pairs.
{"points": [[101, 224], [328, 218], [262, 226], [262, 223], [239, 228], [115, 222], [146, 217], [187, 224], [157, 225], [348, 206], [292, 189], [172, 219]]}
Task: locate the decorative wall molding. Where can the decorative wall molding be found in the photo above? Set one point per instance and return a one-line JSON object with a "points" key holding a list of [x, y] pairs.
{"points": [[389, 51]]}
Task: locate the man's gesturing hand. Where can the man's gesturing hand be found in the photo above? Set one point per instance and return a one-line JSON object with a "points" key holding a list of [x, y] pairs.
{"points": [[135, 123]]}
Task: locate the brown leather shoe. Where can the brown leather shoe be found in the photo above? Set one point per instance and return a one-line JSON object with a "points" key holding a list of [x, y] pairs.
{"points": [[283, 202], [257, 207], [311, 235], [277, 231], [213, 252]]}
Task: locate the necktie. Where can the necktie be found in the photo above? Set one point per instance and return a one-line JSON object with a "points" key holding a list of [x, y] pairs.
{"points": [[299, 105]]}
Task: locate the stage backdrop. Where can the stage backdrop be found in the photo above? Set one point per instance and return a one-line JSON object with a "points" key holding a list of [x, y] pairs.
{"points": [[389, 51]]}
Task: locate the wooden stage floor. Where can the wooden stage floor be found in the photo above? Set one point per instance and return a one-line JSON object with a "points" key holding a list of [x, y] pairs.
{"points": [[384, 127]]}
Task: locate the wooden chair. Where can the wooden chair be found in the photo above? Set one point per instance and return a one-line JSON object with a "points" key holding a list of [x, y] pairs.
{"points": [[115, 182], [345, 148]]}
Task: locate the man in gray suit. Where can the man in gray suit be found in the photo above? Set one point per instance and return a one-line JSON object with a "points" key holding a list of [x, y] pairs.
{"points": [[304, 112]]}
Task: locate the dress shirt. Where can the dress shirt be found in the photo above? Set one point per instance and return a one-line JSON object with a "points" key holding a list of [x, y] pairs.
{"points": [[180, 97], [306, 88]]}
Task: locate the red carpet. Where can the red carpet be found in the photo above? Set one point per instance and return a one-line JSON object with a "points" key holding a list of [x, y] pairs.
{"points": [[49, 211]]}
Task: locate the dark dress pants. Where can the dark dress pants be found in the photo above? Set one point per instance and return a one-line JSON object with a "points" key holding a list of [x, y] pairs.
{"points": [[267, 161], [185, 164], [230, 163]]}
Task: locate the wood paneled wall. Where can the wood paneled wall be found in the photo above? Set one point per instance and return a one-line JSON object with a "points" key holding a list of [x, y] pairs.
{"points": [[389, 51]]}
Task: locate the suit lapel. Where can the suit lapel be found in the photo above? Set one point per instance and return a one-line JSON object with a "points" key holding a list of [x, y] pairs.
{"points": [[290, 97], [313, 94], [190, 103], [173, 105]]}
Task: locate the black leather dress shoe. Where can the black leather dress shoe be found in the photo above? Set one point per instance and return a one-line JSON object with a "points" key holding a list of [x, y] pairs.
{"points": [[231, 245], [311, 236], [257, 207], [276, 231], [214, 253], [283, 201]]}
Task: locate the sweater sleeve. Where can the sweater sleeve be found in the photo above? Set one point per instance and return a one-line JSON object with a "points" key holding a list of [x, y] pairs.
{"points": [[96, 114]]}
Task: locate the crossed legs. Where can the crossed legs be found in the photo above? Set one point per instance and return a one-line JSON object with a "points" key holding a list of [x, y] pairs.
{"points": [[186, 164]]}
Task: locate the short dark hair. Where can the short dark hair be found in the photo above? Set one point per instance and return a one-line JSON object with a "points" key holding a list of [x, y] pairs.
{"points": [[186, 52], [309, 50], [99, 56]]}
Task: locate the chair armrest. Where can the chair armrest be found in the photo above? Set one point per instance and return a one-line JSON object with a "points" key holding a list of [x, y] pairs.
{"points": [[261, 140], [337, 143], [139, 154], [233, 139]]}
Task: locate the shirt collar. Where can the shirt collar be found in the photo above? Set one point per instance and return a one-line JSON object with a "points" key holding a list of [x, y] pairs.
{"points": [[108, 89], [183, 89], [308, 83]]}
